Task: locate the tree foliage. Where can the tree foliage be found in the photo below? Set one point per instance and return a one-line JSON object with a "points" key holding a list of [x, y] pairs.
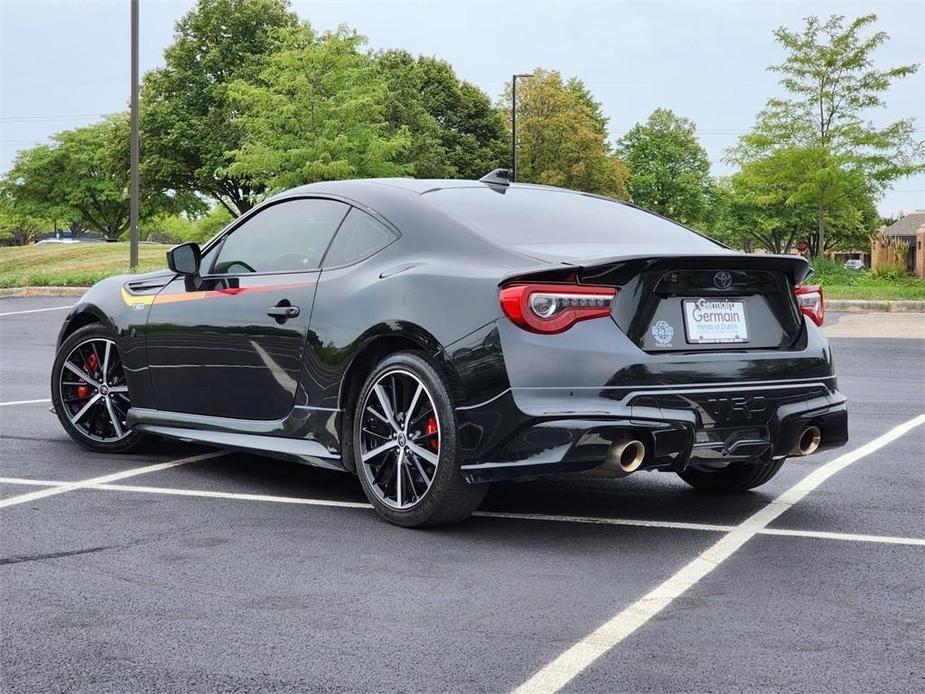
{"points": [[457, 133], [562, 136], [315, 113], [35, 188], [18, 226], [834, 155], [187, 119], [669, 169], [82, 178]]}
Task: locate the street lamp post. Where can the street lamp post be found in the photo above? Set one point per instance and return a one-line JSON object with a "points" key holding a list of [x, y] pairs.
{"points": [[133, 176], [514, 125]]}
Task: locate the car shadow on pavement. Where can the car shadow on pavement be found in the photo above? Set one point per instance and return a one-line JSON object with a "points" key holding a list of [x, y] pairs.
{"points": [[647, 496]]}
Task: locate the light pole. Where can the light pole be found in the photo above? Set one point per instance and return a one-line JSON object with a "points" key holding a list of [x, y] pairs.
{"points": [[133, 177], [514, 125]]}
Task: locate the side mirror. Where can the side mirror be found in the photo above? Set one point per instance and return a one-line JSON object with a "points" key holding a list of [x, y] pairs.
{"points": [[184, 259]]}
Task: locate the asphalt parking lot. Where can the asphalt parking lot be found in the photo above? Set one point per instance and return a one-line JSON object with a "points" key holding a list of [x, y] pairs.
{"points": [[233, 572]]}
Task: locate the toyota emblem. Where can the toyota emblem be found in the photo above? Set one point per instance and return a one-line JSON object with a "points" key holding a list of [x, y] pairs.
{"points": [[722, 279]]}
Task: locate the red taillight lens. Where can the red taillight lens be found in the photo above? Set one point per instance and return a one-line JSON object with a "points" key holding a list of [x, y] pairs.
{"points": [[553, 308], [810, 301]]}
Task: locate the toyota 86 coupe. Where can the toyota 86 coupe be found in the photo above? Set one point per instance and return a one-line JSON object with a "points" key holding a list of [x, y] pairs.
{"points": [[432, 336]]}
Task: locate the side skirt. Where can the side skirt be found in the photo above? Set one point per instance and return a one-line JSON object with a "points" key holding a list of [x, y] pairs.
{"points": [[227, 433]]}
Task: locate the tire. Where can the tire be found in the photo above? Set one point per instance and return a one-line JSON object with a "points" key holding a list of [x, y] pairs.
{"points": [[735, 478], [415, 480], [91, 424]]}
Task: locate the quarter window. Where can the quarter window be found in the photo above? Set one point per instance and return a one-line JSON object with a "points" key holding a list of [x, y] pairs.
{"points": [[358, 237], [290, 236]]}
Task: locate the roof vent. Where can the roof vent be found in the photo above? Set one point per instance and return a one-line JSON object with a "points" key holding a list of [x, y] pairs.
{"points": [[498, 177]]}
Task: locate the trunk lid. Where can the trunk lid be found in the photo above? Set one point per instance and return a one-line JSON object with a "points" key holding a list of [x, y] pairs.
{"points": [[694, 302]]}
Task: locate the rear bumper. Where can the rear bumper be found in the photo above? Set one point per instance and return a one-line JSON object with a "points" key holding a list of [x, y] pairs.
{"points": [[555, 430]]}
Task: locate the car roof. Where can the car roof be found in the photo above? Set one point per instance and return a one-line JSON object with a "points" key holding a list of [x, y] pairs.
{"points": [[418, 186]]}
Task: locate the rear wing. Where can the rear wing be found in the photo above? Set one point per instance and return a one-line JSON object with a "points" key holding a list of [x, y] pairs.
{"points": [[794, 266]]}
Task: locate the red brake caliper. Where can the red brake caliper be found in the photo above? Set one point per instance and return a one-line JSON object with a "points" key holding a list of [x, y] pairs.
{"points": [[429, 429], [91, 365]]}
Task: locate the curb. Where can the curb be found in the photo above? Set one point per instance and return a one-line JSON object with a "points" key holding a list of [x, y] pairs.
{"points": [[867, 306], [20, 292]]}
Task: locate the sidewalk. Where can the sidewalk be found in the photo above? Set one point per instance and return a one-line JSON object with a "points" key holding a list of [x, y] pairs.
{"points": [[909, 326]]}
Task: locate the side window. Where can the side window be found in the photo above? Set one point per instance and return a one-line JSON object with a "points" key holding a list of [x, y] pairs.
{"points": [[359, 237], [289, 236]]}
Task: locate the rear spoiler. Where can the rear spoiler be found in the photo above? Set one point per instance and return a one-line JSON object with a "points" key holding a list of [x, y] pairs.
{"points": [[794, 266]]}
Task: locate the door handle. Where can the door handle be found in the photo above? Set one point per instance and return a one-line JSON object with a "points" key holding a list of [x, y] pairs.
{"points": [[282, 311]]}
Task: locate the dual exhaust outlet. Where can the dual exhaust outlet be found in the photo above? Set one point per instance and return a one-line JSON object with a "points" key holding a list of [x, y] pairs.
{"points": [[625, 456]]}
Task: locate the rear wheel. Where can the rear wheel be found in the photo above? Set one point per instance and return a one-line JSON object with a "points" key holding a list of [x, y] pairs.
{"points": [[89, 392], [735, 478], [407, 448]]}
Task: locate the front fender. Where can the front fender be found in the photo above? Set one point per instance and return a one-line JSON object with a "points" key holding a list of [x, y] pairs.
{"points": [[101, 303], [125, 314]]}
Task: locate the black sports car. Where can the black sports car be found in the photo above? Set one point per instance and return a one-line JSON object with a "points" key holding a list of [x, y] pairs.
{"points": [[433, 336]]}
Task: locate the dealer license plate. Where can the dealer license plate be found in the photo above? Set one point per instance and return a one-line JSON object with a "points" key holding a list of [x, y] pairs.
{"points": [[714, 321]]}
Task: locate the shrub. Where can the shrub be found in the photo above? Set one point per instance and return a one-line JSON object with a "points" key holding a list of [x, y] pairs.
{"points": [[889, 256], [212, 223]]}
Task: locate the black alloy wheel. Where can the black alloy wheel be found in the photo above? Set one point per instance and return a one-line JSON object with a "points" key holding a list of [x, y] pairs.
{"points": [[89, 391], [406, 445]]}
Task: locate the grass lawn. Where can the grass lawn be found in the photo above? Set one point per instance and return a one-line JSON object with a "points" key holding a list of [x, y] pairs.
{"points": [[886, 292], [840, 283], [77, 265]]}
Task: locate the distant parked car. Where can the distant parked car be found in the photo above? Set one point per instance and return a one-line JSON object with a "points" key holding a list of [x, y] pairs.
{"points": [[854, 264]]}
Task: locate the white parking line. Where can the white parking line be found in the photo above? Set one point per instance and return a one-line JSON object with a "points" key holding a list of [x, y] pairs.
{"points": [[71, 486], [706, 527], [558, 673], [502, 515], [24, 402], [34, 310]]}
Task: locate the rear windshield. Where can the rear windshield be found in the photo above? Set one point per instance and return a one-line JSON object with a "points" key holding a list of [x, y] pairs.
{"points": [[541, 218]]}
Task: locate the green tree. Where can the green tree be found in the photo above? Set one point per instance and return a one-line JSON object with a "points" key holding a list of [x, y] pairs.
{"points": [[210, 224], [759, 208], [18, 227], [669, 169], [456, 132], [831, 84], [315, 113], [562, 136], [35, 187], [187, 119], [83, 177]]}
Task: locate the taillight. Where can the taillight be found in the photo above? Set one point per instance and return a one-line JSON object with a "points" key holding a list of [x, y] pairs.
{"points": [[810, 301], [553, 308]]}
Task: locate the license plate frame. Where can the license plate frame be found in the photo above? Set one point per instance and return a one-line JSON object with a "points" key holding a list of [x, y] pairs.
{"points": [[715, 321]]}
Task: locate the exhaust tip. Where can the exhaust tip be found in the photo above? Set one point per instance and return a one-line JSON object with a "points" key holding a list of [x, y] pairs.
{"points": [[809, 441], [627, 455]]}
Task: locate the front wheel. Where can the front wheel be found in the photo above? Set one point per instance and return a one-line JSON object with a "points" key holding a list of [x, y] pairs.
{"points": [[89, 392], [407, 445], [735, 478]]}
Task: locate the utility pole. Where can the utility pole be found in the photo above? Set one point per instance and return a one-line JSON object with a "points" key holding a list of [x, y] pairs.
{"points": [[133, 183], [514, 125]]}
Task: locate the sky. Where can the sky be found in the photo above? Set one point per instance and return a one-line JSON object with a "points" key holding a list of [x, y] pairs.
{"points": [[64, 63]]}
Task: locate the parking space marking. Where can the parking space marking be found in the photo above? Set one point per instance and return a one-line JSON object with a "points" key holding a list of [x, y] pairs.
{"points": [[24, 402], [35, 310], [563, 669], [72, 486], [706, 527], [502, 515]]}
